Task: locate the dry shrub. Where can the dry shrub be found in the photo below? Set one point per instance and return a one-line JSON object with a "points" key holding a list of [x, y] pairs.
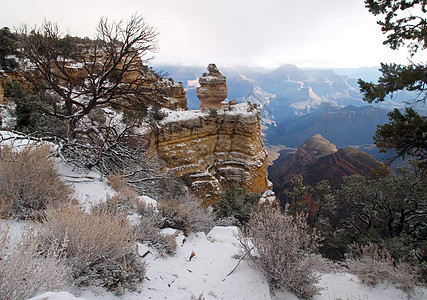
{"points": [[126, 196], [146, 231], [24, 270], [100, 247], [281, 246], [186, 214], [372, 265], [29, 182], [147, 209], [120, 184]]}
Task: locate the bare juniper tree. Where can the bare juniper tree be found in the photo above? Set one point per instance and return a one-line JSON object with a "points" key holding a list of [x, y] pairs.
{"points": [[81, 74]]}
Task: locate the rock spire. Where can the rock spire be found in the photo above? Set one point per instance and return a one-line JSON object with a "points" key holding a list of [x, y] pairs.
{"points": [[213, 88]]}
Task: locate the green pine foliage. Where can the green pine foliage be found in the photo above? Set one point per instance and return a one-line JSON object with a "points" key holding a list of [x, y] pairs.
{"points": [[236, 202], [404, 23], [30, 113], [7, 48], [390, 212], [405, 134]]}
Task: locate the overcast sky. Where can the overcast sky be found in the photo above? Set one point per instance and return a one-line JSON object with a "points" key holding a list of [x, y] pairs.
{"points": [[308, 33]]}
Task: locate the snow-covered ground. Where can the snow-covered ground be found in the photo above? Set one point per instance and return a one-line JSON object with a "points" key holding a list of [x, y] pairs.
{"points": [[200, 266], [205, 276]]}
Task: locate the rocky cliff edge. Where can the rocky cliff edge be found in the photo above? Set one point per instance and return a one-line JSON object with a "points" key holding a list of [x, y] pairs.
{"points": [[212, 149]]}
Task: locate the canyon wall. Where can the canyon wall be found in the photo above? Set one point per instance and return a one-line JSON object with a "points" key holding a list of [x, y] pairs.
{"points": [[211, 149]]}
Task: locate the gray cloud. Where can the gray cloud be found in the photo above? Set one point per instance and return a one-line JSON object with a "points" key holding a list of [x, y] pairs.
{"points": [[266, 32]]}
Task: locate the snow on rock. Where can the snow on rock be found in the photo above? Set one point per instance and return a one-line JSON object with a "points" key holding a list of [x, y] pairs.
{"points": [[204, 147], [7, 120], [175, 115], [268, 197], [148, 201], [56, 296]]}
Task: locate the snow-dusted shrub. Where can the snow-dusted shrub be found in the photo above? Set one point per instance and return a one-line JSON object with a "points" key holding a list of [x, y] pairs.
{"points": [[372, 265], [24, 270], [150, 212], [157, 114], [281, 247], [186, 214], [226, 222], [147, 231], [29, 182], [99, 247], [126, 196], [119, 183]]}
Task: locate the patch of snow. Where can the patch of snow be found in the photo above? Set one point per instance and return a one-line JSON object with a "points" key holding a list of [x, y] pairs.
{"points": [[16, 141], [179, 277], [184, 115], [169, 231], [268, 197], [56, 296], [6, 117], [348, 286], [210, 78], [90, 186], [148, 200]]}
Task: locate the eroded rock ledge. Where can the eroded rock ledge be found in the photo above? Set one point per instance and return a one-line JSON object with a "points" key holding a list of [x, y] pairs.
{"points": [[210, 150], [213, 88]]}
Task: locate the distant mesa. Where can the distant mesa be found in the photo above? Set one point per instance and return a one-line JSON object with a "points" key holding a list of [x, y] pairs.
{"points": [[313, 148], [213, 88], [317, 159]]}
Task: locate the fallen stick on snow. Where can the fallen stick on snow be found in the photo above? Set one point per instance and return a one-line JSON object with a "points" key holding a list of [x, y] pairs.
{"points": [[240, 259]]}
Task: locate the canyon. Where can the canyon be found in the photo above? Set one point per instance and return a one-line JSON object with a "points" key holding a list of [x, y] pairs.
{"points": [[215, 145]]}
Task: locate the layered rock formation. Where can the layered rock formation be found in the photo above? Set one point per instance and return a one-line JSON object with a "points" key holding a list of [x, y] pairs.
{"points": [[213, 88], [313, 148], [318, 159], [211, 150], [173, 95]]}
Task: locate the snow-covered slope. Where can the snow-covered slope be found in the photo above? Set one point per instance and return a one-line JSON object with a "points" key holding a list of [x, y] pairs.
{"points": [[204, 274], [200, 267]]}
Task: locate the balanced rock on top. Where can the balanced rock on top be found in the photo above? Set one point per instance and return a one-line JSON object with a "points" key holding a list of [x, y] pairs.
{"points": [[213, 88]]}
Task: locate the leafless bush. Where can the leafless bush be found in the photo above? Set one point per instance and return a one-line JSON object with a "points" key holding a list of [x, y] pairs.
{"points": [[186, 214], [150, 212], [280, 246], [116, 147], [29, 182], [24, 270], [372, 265], [147, 178], [126, 196], [100, 247], [226, 222], [147, 231], [110, 146]]}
